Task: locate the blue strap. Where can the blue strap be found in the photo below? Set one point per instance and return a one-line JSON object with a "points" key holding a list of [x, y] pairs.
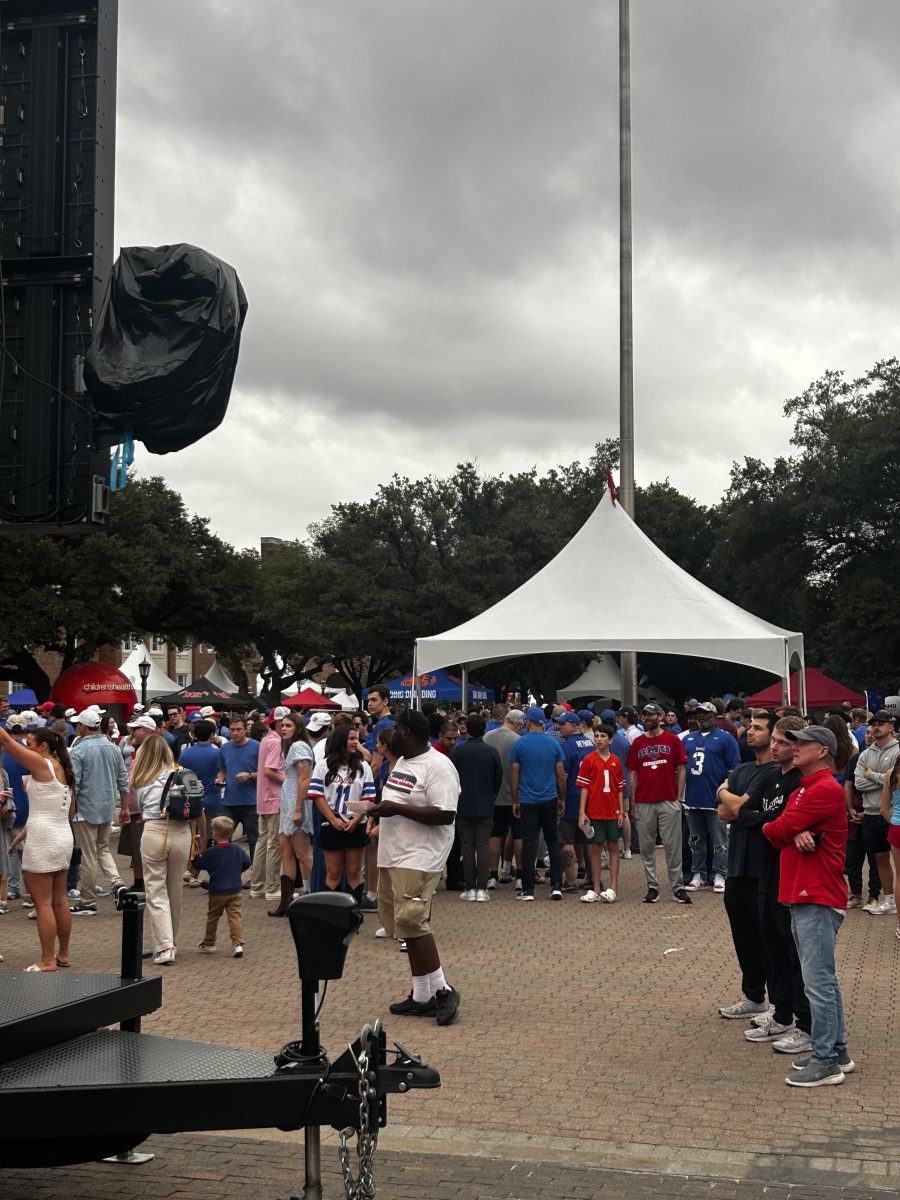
{"points": [[122, 460]]}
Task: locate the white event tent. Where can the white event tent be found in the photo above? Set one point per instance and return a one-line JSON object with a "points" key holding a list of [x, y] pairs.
{"points": [[620, 592], [601, 677], [220, 679], [158, 682]]}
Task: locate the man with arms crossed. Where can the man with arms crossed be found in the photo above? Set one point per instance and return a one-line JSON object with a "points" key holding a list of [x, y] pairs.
{"points": [[656, 784]]}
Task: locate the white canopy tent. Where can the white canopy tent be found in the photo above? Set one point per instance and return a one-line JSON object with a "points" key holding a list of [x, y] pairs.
{"points": [[220, 679], [600, 678], [158, 682], [661, 609]]}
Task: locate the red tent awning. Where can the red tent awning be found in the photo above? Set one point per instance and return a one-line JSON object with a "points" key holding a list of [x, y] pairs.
{"points": [[821, 692], [309, 698], [93, 683]]}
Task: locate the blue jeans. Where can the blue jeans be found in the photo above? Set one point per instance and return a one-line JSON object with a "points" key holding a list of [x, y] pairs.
{"points": [[246, 815], [704, 826], [815, 929]]}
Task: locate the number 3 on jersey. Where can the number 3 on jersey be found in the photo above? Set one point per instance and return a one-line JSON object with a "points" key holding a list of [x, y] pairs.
{"points": [[699, 755]]}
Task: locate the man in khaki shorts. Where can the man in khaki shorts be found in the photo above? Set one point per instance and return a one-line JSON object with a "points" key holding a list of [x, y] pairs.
{"points": [[416, 814]]}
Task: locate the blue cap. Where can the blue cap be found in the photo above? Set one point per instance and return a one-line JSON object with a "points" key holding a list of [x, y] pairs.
{"points": [[535, 715], [585, 714], [567, 715], [608, 715]]}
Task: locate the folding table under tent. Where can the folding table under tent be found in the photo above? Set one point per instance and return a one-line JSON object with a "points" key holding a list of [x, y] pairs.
{"points": [[667, 611]]}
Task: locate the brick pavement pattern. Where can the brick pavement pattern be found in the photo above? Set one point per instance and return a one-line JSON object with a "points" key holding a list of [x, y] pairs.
{"points": [[191, 1168], [579, 1040]]}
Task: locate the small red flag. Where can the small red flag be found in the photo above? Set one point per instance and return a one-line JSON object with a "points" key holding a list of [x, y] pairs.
{"points": [[611, 485]]}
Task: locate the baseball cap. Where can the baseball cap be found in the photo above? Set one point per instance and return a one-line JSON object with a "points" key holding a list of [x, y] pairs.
{"points": [[319, 720], [567, 717], [90, 717], [814, 733], [535, 715], [29, 716], [16, 721], [45, 707], [71, 712], [707, 706], [881, 715], [515, 716], [281, 712], [155, 711], [652, 707], [608, 715], [585, 714], [145, 721], [628, 711], [138, 708], [208, 711], [691, 705]]}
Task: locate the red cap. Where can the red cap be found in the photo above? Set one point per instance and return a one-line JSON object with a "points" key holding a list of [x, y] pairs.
{"points": [[45, 707]]}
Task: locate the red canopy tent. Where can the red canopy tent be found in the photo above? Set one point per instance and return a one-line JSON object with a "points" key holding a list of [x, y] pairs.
{"points": [[93, 683], [821, 692], [309, 698]]}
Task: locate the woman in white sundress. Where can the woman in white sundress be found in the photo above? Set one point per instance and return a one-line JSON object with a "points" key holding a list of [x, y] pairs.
{"points": [[47, 839]]}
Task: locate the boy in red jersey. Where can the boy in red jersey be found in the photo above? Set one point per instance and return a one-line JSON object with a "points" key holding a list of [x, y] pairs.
{"points": [[602, 787]]}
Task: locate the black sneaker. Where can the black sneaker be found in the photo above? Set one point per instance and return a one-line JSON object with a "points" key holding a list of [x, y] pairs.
{"points": [[446, 1004], [368, 905], [84, 908], [652, 896], [413, 1008], [680, 896], [556, 893]]}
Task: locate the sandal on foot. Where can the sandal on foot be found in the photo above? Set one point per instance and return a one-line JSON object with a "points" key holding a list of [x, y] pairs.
{"points": [[60, 963], [35, 967]]}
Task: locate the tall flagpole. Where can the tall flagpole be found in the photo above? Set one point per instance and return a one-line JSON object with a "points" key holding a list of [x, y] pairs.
{"points": [[626, 353]]}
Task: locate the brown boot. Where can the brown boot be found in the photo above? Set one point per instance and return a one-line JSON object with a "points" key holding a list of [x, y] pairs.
{"points": [[287, 895]]}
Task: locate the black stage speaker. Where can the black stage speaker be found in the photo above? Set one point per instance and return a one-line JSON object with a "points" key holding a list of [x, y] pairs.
{"points": [[57, 175]]}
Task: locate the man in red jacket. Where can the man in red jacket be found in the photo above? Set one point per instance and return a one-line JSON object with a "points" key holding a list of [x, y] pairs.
{"points": [[811, 834]]}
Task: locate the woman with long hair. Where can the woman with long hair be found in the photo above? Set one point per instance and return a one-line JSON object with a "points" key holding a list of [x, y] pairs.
{"points": [[295, 822], [847, 745], [47, 838], [338, 786], [890, 812], [165, 846]]}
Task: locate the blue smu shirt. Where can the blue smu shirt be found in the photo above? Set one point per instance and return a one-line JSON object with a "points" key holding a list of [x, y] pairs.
{"points": [[233, 760], [710, 757], [576, 747], [619, 746], [17, 773], [537, 756], [370, 741], [203, 759]]}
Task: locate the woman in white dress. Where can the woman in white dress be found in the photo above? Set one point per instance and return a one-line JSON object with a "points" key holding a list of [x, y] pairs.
{"points": [[165, 846], [47, 837]]}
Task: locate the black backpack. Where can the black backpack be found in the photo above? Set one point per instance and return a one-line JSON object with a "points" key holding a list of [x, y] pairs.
{"points": [[182, 798]]}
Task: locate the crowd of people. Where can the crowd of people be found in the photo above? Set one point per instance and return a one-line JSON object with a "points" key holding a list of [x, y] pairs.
{"points": [[777, 812]]}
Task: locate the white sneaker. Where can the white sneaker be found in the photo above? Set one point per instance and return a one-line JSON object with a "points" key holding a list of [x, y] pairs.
{"points": [[186, 878], [764, 1019], [719, 883], [165, 957], [271, 897], [492, 883], [870, 905], [590, 897], [481, 896], [470, 895], [795, 1041], [608, 897], [697, 884], [519, 885], [625, 854], [505, 872], [887, 905], [382, 932], [238, 951], [767, 1033]]}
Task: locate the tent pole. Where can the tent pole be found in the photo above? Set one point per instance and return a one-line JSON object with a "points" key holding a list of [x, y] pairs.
{"points": [[465, 687], [415, 695], [628, 659]]}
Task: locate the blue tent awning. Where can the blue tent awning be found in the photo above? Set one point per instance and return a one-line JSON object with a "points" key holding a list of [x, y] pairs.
{"points": [[439, 685], [23, 698]]}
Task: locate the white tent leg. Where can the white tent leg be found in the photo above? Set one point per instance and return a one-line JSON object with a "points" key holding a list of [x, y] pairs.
{"points": [[465, 688]]}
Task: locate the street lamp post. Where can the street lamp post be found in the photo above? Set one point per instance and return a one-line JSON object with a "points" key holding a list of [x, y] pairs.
{"points": [[144, 670]]}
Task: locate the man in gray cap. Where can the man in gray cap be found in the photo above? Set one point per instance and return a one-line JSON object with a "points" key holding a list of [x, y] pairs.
{"points": [[872, 767], [811, 834], [100, 777]]}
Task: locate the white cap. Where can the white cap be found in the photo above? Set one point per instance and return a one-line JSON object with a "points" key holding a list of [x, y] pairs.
{"points": [[143, 722], [319, 720], [90, 717], [281, 712]]}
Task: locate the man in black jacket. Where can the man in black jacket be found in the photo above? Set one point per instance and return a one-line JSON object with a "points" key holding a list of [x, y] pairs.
{"points": [[480, 778]]}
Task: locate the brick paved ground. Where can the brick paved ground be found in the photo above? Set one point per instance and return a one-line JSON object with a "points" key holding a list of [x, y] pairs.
{"points": [[207, 1168], [579, 1042]]}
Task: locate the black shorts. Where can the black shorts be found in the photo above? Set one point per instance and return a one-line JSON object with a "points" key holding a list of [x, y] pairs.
{"points": [[336, 839], [504, 820], [874, 834], [570, 833]]}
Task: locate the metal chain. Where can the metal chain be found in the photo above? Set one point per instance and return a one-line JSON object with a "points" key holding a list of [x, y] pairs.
{"points": [[363, 1187]]}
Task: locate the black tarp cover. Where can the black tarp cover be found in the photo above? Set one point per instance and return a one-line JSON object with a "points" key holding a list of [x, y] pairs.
{"points": [[165, 344]]}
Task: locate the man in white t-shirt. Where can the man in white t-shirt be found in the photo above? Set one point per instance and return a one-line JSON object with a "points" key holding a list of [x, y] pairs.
{"points": [[416, 815]]}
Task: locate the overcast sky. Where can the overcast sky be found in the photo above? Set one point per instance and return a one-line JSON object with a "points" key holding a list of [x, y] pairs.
{"points": [[421, 200]]}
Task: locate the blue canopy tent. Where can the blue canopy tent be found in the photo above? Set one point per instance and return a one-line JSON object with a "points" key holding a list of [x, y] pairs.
{"points": [[23, 698], [439, 685]]}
